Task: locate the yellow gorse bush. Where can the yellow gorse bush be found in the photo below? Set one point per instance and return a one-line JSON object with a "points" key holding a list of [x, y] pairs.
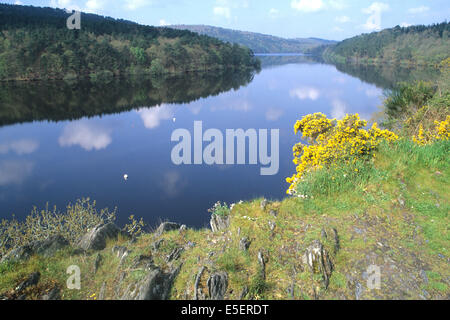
{"points": [[331, 141], [441, 132]]}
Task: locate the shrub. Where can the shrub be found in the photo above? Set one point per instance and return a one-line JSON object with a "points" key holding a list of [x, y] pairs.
{"points": [[332, 142], [71, 224]]}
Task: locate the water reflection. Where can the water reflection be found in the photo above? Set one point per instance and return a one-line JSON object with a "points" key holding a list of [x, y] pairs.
{"points": [[152, 117], [87, 135], [20, 147], [57, 101], [387, 76], [14, 171]]}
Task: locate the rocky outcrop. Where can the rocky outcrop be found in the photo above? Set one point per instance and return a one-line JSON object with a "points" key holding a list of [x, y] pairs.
{"points": [[318, 261], [53, 294], [96, 238], [155, 286], [120, 252], [244, 244], [174, 255], [219, 223], [217, 286], [166, 227], [31, 280], [46, 248]]}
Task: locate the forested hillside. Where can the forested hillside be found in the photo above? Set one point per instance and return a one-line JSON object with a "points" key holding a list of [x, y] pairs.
{"points": [[415, 45], [35, 43], [259, 43]]}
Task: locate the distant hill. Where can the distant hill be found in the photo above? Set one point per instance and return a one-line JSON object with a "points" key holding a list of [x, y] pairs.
{"points": [[415, 45], [259, 43], [35, 43]]}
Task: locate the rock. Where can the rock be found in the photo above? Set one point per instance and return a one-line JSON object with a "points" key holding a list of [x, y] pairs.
{"points": [[337, 244], [183, 228], [96, 238], [359, 290], [175, 254], [98, 261], [244, 293], [155, 286], [219, 223], [157, 244], [263, 204], [46, 248], [197, 283], [318, 260], [18, 254], [53, 294], [50, 246], [273, 213], [272, 225], [217, 285], [142, 261], [102, 294], [32, 280], [244, 244], [166, 227], [262, 264], [120, 252]]}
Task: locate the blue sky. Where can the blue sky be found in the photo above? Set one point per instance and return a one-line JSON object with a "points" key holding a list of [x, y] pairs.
{"points": [[330, 19]]}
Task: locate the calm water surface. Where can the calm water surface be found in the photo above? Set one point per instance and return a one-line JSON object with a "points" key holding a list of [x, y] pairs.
{"points": [[60, 142]]}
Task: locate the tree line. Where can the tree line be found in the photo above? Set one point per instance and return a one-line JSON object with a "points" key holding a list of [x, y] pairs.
{"points": [[36, 44], [417, 45]]}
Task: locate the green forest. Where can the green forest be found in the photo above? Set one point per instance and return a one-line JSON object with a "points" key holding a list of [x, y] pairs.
{"points": [[35, 43], [259, 43], [415, 45]]}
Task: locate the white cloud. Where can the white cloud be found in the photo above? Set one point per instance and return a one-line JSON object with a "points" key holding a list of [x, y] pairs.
{"points": [[338, 4], [222, 11], [273, 12], [163, 23], [14, 172], [373, 92], [308, 5], [373, 23], [136, 4], [417, 10], [304, 93], [172, 183], [342, 19], [405, 24], [152, 117], [376, 7], [94, 5], [18, 3], [339, 109], [274, 114], [85, 134], [64, 4], [20, 147]]}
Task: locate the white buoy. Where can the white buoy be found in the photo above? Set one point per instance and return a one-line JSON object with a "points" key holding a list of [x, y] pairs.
{"points": [[125, 177]]}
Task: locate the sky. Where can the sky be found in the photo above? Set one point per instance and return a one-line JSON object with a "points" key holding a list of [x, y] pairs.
{"points": [[328, 19]]}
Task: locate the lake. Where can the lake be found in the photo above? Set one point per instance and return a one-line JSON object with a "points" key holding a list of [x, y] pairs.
{"points": [[61, 141]]}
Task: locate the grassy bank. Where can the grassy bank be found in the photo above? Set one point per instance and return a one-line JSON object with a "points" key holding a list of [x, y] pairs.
{"points": [[392, 212]]}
